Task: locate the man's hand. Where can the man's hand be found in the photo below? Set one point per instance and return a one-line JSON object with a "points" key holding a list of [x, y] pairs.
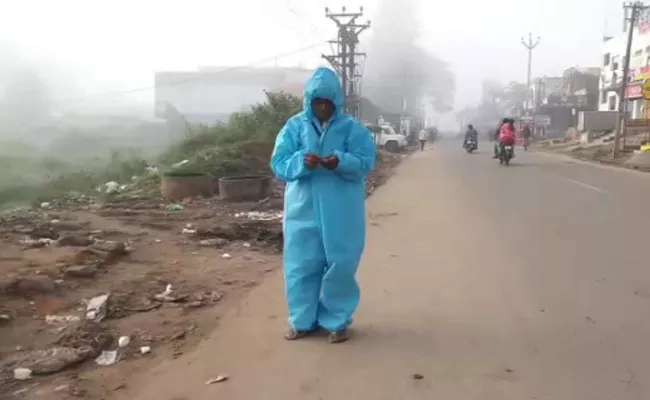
{"points": [[312, 160], [330, 162]]}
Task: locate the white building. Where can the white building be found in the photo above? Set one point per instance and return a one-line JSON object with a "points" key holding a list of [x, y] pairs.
{"points": [[613, 59], [211, 94]]}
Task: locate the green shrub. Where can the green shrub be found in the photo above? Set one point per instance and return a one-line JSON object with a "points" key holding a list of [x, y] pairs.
{"points": [[233, 147], [242, 145]]}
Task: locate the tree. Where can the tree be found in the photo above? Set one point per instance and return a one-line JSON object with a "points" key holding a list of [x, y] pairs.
{"points": [[402, 73]]}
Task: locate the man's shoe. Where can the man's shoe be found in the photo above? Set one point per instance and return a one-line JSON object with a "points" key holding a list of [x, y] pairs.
{"points": [[293, 334], [338, 336]]}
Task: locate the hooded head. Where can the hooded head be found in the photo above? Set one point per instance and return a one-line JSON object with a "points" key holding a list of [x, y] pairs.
{"points": [[324, 85]]}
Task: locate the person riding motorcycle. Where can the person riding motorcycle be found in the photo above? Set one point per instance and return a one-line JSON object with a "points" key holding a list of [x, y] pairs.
{"points": [[497, 133], [507, 136], [471, 134]]}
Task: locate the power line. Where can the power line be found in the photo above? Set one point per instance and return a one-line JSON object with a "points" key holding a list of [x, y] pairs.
{"points": [[289, 27], [193, 79], [302, 18]]}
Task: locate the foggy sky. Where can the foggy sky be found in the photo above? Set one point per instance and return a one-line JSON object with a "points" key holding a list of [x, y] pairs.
{"points": [[119, 44]]}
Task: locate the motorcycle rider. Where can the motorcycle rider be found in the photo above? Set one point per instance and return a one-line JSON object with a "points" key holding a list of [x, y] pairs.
{"points": [[495, 137], [507, 136], [471, 134]]}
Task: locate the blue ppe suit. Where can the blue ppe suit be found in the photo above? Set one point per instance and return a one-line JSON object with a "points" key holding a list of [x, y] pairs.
{"points": [[324, 210]]}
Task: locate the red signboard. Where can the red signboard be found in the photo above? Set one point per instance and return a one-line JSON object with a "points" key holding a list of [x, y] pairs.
{"points": [[633, 92]]}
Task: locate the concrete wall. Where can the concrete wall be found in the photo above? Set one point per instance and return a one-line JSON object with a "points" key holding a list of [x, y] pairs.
{"points": [[596, 120]]}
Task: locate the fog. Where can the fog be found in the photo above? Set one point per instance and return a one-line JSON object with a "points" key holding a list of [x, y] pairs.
{"points": [[400, 70], [80, 49], [77, 77]]}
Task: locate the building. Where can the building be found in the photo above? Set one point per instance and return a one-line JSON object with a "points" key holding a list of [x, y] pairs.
{"points": [[580, 88], [611, 78], [543, 89], [211, 94]]}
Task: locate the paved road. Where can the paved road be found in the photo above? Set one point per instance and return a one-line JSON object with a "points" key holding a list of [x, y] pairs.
{"points": [[526, 282]]}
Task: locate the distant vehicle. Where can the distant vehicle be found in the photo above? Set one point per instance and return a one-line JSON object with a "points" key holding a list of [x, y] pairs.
{"points": [[386, 137]]}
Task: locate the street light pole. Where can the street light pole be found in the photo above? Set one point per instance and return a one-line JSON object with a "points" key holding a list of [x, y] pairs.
{"points": [[530, 45], [634, 9]]}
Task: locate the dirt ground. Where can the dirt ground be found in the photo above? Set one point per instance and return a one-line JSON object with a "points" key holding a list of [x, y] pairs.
{"points": [[56, 258], [131, 252]]}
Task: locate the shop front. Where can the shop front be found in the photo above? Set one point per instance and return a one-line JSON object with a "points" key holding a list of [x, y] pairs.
{"points": [[634, 101], [539, 124]]}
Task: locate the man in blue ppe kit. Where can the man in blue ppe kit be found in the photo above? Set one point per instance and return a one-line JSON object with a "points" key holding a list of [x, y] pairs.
{"points": [[324, 156]]}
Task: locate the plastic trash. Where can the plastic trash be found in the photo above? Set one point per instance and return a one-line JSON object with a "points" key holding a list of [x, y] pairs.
{"points": [[260, 215], [218, 379], [226, 256], [216, 242], [123, 341], [111, 187], [180, 164], [166, 294], [108, 357], [59, 319], [47, 242], [22, 374], [97, 307], [145, 350], [46, 205], [175, 207]]}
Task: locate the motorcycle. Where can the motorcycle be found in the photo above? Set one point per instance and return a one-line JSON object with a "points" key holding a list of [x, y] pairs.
{"points": [[507, 153], [470, 145]]}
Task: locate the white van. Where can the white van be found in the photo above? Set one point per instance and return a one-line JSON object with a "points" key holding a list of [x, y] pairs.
{"points": [[386, 137]]}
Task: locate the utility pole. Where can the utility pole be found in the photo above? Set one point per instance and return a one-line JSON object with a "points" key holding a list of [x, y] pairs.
{"points": [[631, 11], [345, 60], [530, 45]]}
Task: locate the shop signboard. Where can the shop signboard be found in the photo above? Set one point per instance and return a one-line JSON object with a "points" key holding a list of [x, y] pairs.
{"points": [[633, 92]]}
